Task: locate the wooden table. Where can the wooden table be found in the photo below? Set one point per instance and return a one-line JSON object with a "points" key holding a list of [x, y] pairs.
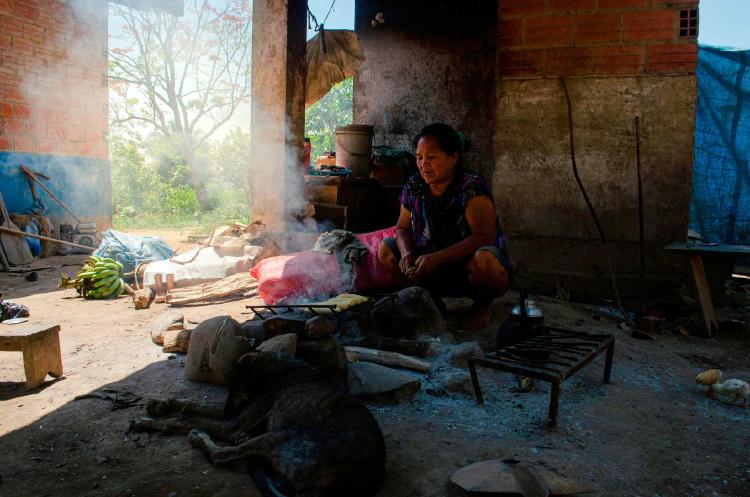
{"points": [[553, 355], [354, 204], [700, 255], [40, 344]]}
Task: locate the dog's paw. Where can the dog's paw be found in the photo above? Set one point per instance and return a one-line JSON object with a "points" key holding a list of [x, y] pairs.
{"points": [[198, 439], [157, 407], [240, 437], [142, 425]]}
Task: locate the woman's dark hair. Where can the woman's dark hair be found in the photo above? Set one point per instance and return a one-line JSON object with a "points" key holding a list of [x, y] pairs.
{"points": [[448, 139]]}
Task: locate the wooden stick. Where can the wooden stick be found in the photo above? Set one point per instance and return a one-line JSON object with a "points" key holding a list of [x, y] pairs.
{"points": [[216, 290], [418, 348], [5, 219], [354, 354], [23, 234], [33, 176]]}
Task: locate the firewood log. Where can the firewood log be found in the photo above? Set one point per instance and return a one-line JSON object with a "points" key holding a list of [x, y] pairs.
{"points": [[354, 354], [419, 348]]}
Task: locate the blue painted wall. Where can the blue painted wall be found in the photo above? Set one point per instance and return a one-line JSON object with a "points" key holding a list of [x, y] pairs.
{"points": [[83, 184]]}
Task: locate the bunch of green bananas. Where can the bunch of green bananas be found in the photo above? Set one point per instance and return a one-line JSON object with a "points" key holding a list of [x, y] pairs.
{"points": [[99, 278]]}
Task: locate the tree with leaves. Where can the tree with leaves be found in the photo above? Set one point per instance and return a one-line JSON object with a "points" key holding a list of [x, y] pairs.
{"points": [[322, 117], [230, 158], [183, 78]]}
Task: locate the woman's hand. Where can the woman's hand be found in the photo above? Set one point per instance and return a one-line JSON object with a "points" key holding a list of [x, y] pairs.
{"points": [[406, 265], [426, 264]]}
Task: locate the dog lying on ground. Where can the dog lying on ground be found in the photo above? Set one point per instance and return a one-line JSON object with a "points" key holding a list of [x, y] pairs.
{"points": [[297, 429]]}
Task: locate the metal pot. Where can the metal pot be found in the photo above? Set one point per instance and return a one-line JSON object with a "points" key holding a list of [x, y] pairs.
{"points": [[532, 316], [522, 323]]}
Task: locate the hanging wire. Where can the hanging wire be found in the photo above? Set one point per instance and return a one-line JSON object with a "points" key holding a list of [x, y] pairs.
{"points": [[311, 17], [320, 27], [592, 211], [330, 9]]}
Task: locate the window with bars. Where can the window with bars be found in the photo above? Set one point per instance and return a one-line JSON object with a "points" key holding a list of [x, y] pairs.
{"points": [[689, 23]]}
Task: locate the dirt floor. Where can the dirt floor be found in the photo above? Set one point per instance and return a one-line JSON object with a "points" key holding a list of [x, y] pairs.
{"points": [[651, 432]]}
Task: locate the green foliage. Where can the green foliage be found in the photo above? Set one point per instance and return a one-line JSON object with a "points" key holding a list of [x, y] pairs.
{"points": [[151, 184], [321, 118], [171, 166], [132, 181], [231, 163]]}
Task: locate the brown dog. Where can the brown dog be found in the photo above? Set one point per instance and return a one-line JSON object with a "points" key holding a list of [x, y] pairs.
{"points": [[299, 431]]}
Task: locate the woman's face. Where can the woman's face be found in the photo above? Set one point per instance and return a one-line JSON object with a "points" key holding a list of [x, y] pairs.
{"points": [[434, 164]]}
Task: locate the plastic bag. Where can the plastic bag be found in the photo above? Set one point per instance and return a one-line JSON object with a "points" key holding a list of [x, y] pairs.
{"points": [[11, 310], [305, 275], [204, 265], [35, 245], [130, 250]]}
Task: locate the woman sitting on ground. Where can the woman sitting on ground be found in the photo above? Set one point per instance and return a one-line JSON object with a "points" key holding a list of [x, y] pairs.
{"points": [[448, 238]]}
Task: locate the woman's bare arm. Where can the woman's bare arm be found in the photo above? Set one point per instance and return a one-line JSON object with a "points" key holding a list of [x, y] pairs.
{"points": [[480, 215], [404, 240]]}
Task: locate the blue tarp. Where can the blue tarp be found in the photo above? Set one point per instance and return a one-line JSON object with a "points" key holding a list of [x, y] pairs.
{"points": [[720, 206], [130, 250]]}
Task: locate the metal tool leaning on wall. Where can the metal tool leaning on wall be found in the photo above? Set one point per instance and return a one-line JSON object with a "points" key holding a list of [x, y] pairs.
{"points": [[83, 233]]}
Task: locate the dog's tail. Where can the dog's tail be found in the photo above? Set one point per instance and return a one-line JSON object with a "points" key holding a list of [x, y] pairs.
{"points": [[268, 486]]}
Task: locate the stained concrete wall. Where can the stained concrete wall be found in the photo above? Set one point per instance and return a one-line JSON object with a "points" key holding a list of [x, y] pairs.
{"points": [[548, 223], [431, 61]]}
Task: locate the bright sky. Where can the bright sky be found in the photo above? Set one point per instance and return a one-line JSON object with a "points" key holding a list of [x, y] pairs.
{"points": [[341, 17], [724, 23]]}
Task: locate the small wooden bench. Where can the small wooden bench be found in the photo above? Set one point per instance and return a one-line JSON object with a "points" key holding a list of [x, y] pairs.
{"points": [[721, 259], [40, 344], [553, 355]]}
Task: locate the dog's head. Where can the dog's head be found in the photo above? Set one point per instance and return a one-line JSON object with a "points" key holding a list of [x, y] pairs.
{"points": [[247, 375]]}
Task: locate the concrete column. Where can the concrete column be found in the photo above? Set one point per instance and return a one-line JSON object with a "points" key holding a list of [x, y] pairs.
{"points": [[278, 110]]}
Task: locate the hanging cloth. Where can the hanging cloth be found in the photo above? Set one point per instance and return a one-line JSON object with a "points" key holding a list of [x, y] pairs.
{"points": [[332, 56]]}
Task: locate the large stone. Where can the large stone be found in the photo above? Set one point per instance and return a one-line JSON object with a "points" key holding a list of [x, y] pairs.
{"points": [[501, 477], [280, 345], [459, 383], [168, 320], [255, 332], [319, 327], [459, 355], [215, 345], [281, 325], [412, 312], [176, 341], [367, 379], [326, 354]]}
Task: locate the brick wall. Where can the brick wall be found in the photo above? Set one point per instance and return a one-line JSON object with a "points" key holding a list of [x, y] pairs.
{"points": [[551, 38], [53, 92]]}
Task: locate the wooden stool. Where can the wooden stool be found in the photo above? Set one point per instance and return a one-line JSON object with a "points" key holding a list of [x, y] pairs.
{"points": [[40, 344]]}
